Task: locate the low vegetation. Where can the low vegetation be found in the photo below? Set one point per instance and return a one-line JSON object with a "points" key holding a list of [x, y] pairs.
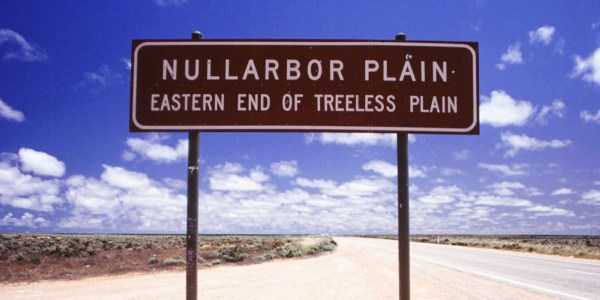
{"points": [[30, 257], [571, 246]]}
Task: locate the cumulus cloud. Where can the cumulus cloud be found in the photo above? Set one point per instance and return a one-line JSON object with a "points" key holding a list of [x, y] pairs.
{"points": [[589, 117], [151, 148], [501, 110], [353, 139], [229, 177], [26, 220], [356, 139], [506, 188], [10, 113], [41, 163], [587, 68], [591, 197], [384, 168], [506, 170], [452, 172], [562, 192], [557, 109], [98, 81], [497, 200], [121, 178], [123, 197], [522, 142], [356, 188], [316, 183], [547, 211], [18, 48], [462, 154], [285, 168], [513, 56], [542, 35], [25, 191], [441, 195]]}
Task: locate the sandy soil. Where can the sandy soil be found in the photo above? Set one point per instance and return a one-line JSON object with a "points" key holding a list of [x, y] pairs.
{"points": [[354, 271]]}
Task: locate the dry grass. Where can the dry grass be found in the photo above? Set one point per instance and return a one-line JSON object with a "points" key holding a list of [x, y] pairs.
{"points": [[570, 246], [50, 257]]}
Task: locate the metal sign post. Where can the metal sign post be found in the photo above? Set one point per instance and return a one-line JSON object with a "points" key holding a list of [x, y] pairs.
{"points": [[191, 241], [403, 216]]}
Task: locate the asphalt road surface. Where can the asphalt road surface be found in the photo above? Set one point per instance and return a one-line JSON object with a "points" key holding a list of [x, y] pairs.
{"points": [[557, 277], [358, 269]]}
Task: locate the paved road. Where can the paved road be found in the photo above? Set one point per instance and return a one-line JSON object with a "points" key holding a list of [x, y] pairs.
{"points": [[359, 269], [563, 278]]}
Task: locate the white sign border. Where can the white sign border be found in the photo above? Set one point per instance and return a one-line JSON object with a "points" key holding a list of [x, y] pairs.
{"points": [[303, 128]]}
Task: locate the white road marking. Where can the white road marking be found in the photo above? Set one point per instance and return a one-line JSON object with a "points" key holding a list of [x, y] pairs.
{"points": [[528, 285], [582, 272]]}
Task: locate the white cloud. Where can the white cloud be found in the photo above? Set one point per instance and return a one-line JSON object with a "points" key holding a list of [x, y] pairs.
{"points": [[99, 80], [506, 188], [225, 178], [316, 183], [381, 167], [496, 200], [452, 172], [547, 211], [10, 113], [123, 200], [591, 197], [513, 55], [562, 192], [353, 139], [462, 154], [128, 155], [41, 163], [356, 188], [127, 63], [441, 195], [516, 143], [26, 191], [121, 178], [151, 148], [501, 110], [175, 183], [506, 170], [26, 220], [388, 170], [557, 108], [92, 196], [416, 172], [361, 187], [587, 68], [19, 48], [588, 117], [542, 35], [285, 168]]}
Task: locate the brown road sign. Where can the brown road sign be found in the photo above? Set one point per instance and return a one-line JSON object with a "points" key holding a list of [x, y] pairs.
{"points": [[345, 86]]}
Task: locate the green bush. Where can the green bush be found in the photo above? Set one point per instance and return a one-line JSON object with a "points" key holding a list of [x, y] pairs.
{"points": [[174, 261], [234, 254], [266, 256], [291, 251]]}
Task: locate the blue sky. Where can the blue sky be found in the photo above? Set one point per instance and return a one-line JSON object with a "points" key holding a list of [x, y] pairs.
{"points": [[69, 164]]}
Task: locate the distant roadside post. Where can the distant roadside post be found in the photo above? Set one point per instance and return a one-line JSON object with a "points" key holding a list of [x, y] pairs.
{"points": [[303, 86]]}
